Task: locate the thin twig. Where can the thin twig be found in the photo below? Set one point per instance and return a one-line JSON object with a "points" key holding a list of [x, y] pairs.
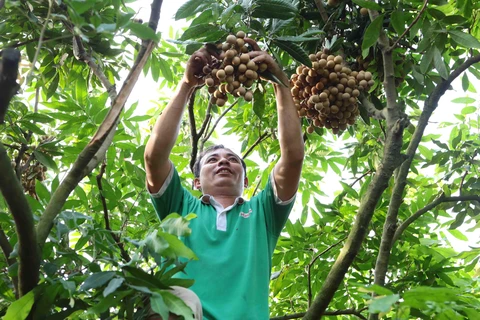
{"points": [[218, 120], [40, 41], [256, 143], [429, 207], [193, 128], [410, 26], [115, 237], [310, 267], [360, 178], [462, 181]]}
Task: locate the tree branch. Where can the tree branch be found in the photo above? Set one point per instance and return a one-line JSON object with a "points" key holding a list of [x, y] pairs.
{"points": [[29, 255], [389, 229], [256, 143], [309, 267], [409, 27], [371, 110], [193, 128], [326, 313], [429, 207], [321, 9], [77, 172], [115, 237]]}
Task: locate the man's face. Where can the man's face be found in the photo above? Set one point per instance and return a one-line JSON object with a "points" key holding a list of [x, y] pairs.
{"points": [[221, 173]]}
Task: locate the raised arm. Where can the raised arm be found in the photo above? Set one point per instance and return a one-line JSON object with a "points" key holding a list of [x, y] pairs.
{"points": [[289, 167], [165, 131]]}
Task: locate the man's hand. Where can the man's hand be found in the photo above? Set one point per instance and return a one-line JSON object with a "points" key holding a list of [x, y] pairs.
{"points": [[258, 56], [194, 75]]}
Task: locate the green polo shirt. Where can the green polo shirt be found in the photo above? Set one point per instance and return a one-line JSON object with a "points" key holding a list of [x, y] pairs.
{"points": [[234, 247]]}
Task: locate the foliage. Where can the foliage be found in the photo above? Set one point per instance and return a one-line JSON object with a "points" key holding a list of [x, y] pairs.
{"points": [[107, 254]]}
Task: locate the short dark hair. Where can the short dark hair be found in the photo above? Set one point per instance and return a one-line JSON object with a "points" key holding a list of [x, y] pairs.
{"points": [[197, 165]]}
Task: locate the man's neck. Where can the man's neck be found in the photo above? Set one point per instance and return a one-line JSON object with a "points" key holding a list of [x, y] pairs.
{"points": [[225, 201]]}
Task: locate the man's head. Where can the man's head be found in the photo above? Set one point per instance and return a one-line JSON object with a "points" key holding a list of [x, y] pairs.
{"points": [[220, 171]]}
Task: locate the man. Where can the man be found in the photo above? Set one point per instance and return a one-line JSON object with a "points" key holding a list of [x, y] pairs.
{"points": [[233, 238]]}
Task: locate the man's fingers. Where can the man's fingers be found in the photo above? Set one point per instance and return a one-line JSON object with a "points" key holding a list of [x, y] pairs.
{"points": [[252, 43]]}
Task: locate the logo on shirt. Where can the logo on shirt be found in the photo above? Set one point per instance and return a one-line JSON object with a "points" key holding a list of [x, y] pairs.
{"points": [[246, 214]]}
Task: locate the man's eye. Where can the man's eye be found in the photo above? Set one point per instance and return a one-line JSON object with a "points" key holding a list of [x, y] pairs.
{"points": [[233, 159], [210, 160]]}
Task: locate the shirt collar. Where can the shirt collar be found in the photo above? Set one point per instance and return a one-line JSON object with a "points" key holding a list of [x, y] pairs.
{"points": [[208, 199]]}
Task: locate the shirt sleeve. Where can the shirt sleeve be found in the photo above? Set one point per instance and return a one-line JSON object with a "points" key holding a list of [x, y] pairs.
{"points": [[276, 211], [170, 197]]}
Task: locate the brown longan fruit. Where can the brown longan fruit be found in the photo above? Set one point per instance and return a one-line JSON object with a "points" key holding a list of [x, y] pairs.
{"points": [[236, 61], [363, 84], [262, 67], [338, 59], [229, 70], [361, 76], [334, 109], [242, 68], [230, 53], [240, 42], [210, 82], [333, 76], [322, 63], [249, 82], [368, 75], [323, 96], [212, 89], [241, 91], [364, 11], [249, 74], [371, 82], [236, 84], [206, 69], [338, 68], [330, 64], [241, 34], [252, 66], [220, 102], [244, 58], [220, 74], [310, 129], [351, 83], [231, 39], [312, 57], [242, 78], [248, 96]]}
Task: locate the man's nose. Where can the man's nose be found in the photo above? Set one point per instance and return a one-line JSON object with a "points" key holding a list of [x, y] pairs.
{"points": [[223, 161]]}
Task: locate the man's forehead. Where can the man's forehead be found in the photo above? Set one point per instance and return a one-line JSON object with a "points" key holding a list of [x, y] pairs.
{"points": [[221, 151]]}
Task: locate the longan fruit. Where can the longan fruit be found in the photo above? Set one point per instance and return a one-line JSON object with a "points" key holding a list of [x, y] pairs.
{"points": [[241, 34], [220, 74], [338, 59], [249, 83], [364, 11], [244, 58], [236, 61], [220, 102], [312, 57], [212, 89], [252, 66], [310, 129], [210, 82], [333, 76], [244, 49], [240, 42], [322, 63], [231, 39], [230, 53], [229, 70], [334, 109], [241, 91], [236, 84], [338, 68], [248, 96], [262, 67], [242, 68], [363, 83]]}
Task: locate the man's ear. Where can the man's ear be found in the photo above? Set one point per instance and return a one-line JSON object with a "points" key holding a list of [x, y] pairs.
{"points": [[196, 183], [245, 183]]}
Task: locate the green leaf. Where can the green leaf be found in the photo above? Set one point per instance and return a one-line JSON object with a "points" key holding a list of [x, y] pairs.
{"points": [[372, 33], [465, 82], [148, 279], [368, 4], [176, 305], [297, 39], [439, 63], [398, 21], [176, 225], [97, 280], [158, 305], [189, 8], [379, 290], [459, 235], [464, 100], [176, 247], [469, 110], [143, 31], [112, 286], [198, 31], [21, 308], [297, 52], [46, 160], [259, 103], [273, 9], [383, 303], [464, 39], [427, 59]]}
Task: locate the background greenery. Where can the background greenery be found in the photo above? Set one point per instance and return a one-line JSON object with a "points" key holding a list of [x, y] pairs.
{"points": [[89, 245]]}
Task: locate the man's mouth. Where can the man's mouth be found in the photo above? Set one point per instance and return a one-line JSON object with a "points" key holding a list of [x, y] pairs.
{"points": [[224, 171]]}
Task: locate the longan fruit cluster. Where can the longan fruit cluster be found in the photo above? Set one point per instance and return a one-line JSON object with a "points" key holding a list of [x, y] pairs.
{"points": [[235, 74], [327, 92]]}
